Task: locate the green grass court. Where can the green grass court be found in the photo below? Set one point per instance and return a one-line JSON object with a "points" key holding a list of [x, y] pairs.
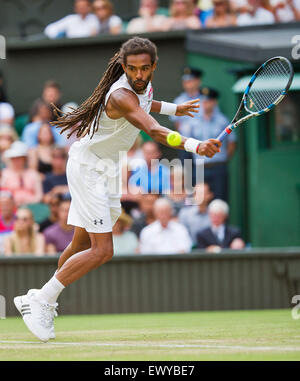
{"points": [[232, 335]]}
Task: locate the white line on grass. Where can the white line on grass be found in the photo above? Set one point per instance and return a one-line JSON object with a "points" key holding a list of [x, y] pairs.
{"points": [[153, 345]]}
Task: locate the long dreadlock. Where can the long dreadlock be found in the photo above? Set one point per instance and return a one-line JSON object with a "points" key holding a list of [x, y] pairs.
{"points": [[85, 118]]}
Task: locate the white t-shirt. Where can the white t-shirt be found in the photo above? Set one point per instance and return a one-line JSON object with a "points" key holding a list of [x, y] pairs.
{"points": [[261, 16], [113, 135], [74, 26], [174, 239], [6, 111]]}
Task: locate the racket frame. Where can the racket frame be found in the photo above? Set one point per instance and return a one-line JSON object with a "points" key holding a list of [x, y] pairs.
{"points": [[243, 105]]}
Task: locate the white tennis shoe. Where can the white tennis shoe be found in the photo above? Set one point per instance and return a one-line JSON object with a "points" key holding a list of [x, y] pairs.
{"points": [[38, 316]]}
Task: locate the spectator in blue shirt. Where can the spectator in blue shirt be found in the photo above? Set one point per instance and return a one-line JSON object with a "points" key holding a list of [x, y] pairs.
{"points": [[209, 123], [151, 175], [191, 82], [31, 130]]}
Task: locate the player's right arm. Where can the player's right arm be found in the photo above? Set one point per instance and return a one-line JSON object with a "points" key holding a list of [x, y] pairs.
{"points": [[124, 103]]}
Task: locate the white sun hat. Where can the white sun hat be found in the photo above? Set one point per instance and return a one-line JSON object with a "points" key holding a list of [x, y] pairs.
{"points": [[17, 149]]}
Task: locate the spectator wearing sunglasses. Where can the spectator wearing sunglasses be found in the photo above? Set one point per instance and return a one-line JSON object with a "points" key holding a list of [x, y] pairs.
{"points": [[222, 15], [24, 238], [108, 22]]}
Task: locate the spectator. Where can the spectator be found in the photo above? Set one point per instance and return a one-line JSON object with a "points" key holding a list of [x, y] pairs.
{"points": [[148, 21], [80, 24], [7, 136], [146, 204], [39, 157], [31, 130], [152, 176], [7, 113], [177, 196], [7, 215], [24, 239], [182, 16], [191, 82], [256, 14], [56, 181], [51, 94], [125, 241], [286, 11], [164, 236], [53, 217], [23, 182], [59, 235], [109, 23], [219, 234], [222, 15], [207, 123], [195, 218]]}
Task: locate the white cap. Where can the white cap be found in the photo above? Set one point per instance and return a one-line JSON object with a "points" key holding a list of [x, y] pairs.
{"points": [[17, 149]]}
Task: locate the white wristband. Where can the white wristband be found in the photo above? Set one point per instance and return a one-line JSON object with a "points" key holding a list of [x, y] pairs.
{"points": [[168, 108], [192, 145]]}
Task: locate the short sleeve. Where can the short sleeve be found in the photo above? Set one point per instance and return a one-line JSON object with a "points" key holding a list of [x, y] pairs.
{"points": [[115, 21]]}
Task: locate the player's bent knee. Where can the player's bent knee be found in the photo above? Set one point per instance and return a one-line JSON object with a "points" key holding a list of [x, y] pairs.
{"points": [[100, 256]]}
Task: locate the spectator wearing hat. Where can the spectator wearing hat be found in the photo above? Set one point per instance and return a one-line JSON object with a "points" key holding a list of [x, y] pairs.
{"points": [[209, 123], [148, 21], [7, 215], [7, 136], [23, 182], [7, 112], [59, 235], [125, 241]]}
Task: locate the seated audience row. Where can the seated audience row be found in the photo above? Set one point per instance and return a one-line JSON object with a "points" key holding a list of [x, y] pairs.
{"points": [[164, 233], [97, 17]]}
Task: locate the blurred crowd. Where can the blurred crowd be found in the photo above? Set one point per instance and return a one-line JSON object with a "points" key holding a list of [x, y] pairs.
{"points": [[91, 18], [166, 208]]}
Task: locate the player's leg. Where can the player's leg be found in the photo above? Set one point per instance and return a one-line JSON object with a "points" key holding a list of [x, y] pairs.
{"points": [[79, 264], [80, 242]]}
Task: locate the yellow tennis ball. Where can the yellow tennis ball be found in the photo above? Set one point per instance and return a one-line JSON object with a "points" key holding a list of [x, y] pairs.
{"points": [[174, 139]]}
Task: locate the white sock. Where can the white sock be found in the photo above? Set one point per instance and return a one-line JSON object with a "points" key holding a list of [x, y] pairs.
{"points": [[50, 291]]}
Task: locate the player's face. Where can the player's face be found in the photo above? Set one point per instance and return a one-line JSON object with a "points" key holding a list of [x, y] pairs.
{"points": [[139, 71]]}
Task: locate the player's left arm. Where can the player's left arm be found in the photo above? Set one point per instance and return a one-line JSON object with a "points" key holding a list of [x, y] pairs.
{"points": [[186, 108]]}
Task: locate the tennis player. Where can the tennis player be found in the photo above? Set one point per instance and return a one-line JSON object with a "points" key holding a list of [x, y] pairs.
{"points": [[108, 122]]}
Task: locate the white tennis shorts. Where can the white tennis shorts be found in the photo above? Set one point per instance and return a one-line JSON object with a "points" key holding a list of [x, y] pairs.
{"points": [[94, 206]]}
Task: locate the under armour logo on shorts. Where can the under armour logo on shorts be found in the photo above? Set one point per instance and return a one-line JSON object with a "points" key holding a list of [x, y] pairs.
{"points": [[96, 222]]}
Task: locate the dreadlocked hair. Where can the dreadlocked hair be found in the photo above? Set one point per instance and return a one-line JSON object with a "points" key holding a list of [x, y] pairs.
{"points": [[85, 119]]}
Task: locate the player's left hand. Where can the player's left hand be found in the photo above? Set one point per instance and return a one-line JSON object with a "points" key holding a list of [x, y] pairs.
{"points": [[188, 108]]}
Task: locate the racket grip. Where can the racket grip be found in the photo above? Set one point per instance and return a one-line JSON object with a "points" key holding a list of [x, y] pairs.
{"points": [[224, 134]]}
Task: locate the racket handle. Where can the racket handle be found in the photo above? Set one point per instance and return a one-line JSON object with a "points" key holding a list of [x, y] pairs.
{"points": [[224, 134]]}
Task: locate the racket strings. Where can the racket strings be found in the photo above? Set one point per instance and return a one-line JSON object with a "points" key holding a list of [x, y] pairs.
{"points": [[268, 85]]}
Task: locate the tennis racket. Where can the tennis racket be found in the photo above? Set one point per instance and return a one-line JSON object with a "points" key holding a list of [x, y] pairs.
{"points": [[267, 87]]}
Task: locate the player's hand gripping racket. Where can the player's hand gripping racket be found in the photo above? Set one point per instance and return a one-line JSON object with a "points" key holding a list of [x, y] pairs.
{"points": [[267, 87]]}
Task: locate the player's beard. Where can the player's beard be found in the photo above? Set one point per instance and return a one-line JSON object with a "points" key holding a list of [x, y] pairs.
{"points": [[139, 89]]}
